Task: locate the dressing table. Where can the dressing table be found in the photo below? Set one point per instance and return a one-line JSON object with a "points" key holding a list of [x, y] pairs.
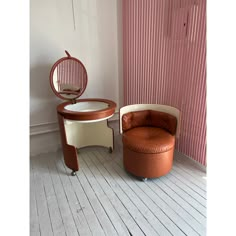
{"points": [[82, 122]]}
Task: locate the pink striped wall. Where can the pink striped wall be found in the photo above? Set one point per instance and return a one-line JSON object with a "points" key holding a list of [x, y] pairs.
{"points": [[71, 72], [164, 60]]}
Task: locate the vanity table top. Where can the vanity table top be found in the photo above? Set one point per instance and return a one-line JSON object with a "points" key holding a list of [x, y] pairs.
{"points": [[87, 109]]}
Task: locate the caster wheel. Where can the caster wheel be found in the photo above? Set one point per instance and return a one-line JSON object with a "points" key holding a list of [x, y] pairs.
{"points": [[110, 150], [73, 173], [144, 179]]}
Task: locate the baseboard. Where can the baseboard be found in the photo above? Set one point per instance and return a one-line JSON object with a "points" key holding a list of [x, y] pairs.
{"points": [[44, 138], [43, 128], [180, 156]]}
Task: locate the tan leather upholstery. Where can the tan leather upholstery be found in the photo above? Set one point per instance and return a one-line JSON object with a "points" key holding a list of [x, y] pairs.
{"points": [[147, 165], [148, 142], [149, 118]]}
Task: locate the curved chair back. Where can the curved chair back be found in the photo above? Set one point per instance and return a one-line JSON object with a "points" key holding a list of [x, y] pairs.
{"points": [[156, 107]]}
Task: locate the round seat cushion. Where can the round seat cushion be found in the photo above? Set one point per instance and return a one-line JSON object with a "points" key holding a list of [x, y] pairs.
{"points": [[148, 140]]}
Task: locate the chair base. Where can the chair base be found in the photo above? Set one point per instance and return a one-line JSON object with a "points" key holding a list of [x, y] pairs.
{"points": [[147, 165]]}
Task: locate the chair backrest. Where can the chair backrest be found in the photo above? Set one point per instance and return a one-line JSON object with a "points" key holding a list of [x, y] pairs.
{"points": [[156, 107], [149, 118]]}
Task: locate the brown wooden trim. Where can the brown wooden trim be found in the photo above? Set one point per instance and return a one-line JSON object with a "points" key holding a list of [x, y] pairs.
{"points": [[69, 57], [69, 151], [92, 115]]}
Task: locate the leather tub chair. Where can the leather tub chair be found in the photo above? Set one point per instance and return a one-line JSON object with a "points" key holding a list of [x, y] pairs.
{"points": [[148, 136]]}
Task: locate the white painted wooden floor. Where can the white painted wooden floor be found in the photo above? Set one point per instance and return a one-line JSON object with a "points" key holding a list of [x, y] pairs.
{"points": [[103, 199]]}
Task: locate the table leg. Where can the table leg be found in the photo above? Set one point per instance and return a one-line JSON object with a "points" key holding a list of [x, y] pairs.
{"points": [[69, 151]]}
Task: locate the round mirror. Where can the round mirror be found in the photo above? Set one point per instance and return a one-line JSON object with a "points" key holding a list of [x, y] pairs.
{"points": [[68, 78]]}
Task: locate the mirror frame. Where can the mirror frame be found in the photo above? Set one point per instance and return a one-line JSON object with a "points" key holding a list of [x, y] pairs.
{"points": [[57, 93]]}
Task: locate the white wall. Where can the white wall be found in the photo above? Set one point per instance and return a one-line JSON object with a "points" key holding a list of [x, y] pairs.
{"points": [[89, 30]]}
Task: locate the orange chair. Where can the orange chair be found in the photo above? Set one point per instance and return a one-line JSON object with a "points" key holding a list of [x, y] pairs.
{"points": [[148, 136]]}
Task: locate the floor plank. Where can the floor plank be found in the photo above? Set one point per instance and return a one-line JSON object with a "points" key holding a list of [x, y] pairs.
{"points": [[177, 214], [103, 199], [187, 189], [34, 220], [66, 207], [97, 183], [188, 183], [54, 211], [133, 211], [81, 202], [45, 226]]}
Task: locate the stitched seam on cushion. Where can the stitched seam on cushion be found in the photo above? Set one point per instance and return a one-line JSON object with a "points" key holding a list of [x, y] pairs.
{"points": [[145, 151], [148, 152]]}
